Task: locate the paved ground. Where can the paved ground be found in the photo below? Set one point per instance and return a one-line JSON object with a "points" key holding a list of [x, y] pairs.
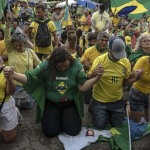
{"points": [[30, 137]]}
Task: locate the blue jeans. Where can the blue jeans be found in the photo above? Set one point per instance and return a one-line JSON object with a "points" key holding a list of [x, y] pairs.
{"points": [[102, 113], [21, 104]]}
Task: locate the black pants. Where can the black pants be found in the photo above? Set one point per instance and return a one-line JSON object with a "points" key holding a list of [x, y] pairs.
{"points": [[60, 117]]}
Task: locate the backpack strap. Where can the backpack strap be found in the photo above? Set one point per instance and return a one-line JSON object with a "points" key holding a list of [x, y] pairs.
{"points": [[78, 50], [39, 22]]}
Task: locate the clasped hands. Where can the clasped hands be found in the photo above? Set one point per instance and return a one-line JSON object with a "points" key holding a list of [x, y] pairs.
{"points": [[8, 72], [98, 71]]}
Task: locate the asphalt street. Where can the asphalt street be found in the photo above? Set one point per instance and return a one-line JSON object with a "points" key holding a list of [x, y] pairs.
{"points": [[30, 137]]}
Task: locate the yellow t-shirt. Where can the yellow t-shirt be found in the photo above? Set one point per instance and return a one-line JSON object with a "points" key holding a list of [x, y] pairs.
{"points": [[116, 21], [2, 87], [52, 28], [85, 27], [143, 84], [16, 11], [3, 50], [109, 87], [89, 55], [81, 43], [146, 32], [2, 26], [101, 20], [23, 61]]}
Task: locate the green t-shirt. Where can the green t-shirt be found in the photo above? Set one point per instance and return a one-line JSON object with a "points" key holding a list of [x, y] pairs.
{"points": [[64, 84]]}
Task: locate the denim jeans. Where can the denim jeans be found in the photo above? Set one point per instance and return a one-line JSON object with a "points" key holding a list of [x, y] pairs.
{"points": [[138, 100], [102, 113], [21, 103]]}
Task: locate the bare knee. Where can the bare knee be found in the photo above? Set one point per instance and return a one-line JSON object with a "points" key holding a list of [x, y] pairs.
{"points": [[9, 136]]}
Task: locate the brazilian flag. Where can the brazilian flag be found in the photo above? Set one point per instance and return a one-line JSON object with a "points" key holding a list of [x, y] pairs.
{"points": [[133, 8], [66, 20]]}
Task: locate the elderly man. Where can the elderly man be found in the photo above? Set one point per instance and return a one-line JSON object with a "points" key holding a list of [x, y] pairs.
{"points": [[90, 54]]}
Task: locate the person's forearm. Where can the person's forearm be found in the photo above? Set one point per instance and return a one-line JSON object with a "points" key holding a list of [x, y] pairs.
{"points": [[55, 40], [8, 23], [22, 78], [129, 81], [11, 88], [30, 44], [59, 17], [88, 84]]}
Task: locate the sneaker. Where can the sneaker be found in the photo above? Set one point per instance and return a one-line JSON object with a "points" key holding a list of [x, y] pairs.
{"points": [[143, 120]]}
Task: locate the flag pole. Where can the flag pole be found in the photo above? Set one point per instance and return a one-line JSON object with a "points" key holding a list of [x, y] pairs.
{"points": [[9, 5], [66, 2]]}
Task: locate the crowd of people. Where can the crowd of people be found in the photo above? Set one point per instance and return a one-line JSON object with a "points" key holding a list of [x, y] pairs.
{"points": [[92, 59]]}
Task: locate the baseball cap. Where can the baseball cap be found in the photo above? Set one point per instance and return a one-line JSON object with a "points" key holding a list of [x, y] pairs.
{"points": [[128, 39], [117, 46]]}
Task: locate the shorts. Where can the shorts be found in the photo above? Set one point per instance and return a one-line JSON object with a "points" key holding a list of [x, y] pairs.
{"points": [[114, 112], [8, 115], [138, 100]]}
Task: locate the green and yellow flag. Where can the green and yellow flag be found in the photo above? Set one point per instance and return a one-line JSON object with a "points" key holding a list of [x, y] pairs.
{"points": [[136, 7]]}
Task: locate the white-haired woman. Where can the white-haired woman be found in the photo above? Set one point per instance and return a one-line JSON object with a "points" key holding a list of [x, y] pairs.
{"points": [[20, 57], [142, 48]]}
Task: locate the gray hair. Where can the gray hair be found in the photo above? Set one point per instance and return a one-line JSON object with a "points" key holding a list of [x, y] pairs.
{"points": [[21, 37], [103, 34], [139, 41]]}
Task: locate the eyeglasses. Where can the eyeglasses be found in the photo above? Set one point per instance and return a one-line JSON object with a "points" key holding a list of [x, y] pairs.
{"points": [[146, 41]]}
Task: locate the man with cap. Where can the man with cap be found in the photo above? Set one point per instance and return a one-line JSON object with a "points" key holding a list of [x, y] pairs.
{"points": [[115, 70], [100, 19]]}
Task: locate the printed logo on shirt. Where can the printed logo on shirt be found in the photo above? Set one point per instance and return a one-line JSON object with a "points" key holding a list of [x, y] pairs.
{"points": [[62, 78], [62, 88], [114, 79], [124, 70]]}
